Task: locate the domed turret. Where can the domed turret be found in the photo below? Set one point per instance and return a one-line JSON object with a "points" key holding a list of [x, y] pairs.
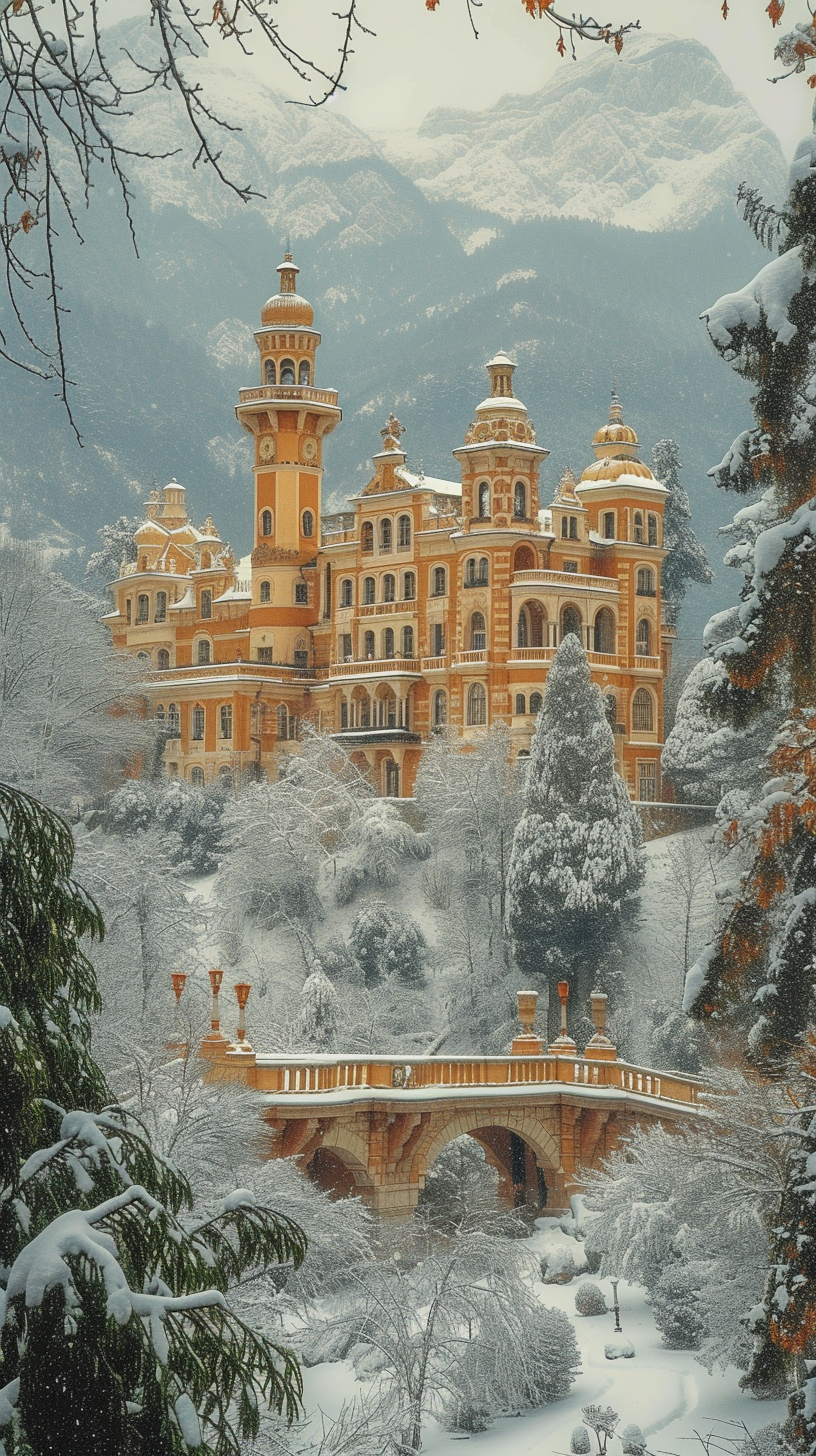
{"points": [[287, 309], [615, 439]]}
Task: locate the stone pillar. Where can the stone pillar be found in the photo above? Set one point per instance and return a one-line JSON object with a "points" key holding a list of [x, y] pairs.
{"points": [[563, 1045], [527, 1044]]}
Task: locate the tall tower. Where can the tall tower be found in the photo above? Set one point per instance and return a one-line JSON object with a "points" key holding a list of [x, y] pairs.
{"points": [[288, 418], [500, 459]]}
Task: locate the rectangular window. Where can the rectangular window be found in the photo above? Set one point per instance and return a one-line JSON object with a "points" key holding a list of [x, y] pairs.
{"points": [[345, 647], [647, 781], [571, 566], [128, 609], [609, 526], [301, 594], [265, 654], [437, 639], [198, 725], [226, 720]]}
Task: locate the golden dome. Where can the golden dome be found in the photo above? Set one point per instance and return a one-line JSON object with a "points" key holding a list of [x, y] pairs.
{"points": [[616, 432], [611, 469], [287, 309]]}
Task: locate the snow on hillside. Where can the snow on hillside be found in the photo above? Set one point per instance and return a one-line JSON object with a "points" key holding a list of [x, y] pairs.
{"points": [[654, 141]]}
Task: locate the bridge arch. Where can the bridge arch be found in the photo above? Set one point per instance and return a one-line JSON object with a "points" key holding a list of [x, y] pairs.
{"points": [[341, 1152], [529, 1127]]}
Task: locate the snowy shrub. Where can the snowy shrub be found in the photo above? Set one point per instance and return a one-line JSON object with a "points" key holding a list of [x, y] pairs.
{"points": [[386, 942], [317, 1022], [558, 1265], [348, 884], [580, 1444], [195, 816], [767, 1441], [338, 963], [633, 1441], [465, 1413], [589, 1300], [461, 1193], [678, 1310], [325, 1340], [540, 1369]]}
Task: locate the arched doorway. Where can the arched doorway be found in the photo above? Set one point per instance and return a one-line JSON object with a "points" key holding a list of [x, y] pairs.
{"points": [[531, 625]]}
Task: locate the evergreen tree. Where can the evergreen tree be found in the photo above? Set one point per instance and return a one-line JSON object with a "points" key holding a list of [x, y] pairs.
{"points": [[576, 862], [118, 1336], [687, 560]]}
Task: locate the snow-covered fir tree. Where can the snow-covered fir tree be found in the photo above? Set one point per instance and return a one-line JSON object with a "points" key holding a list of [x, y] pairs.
{"points": [[576, 864], [117, 1336], [117, 547], [318, 1010], [686, 560]]}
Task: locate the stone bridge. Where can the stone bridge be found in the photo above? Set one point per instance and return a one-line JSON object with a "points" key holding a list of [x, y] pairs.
{"points": [[373, 1125]]}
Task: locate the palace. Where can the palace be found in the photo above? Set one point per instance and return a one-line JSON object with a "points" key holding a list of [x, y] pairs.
{"points": [[428, 604]]}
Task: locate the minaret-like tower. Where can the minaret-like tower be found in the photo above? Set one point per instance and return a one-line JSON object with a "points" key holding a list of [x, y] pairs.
{"points": [[500, 459], [288, 418]]}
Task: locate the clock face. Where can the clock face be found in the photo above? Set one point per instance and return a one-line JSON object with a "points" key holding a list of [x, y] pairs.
{"points": [[309, 449], [266, 449]]}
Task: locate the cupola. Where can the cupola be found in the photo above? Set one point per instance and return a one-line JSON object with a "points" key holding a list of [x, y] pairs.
{"points": [[616, 439], [286, 309]]}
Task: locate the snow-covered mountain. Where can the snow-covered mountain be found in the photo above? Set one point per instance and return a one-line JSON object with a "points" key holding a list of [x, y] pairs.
{"points": [[652, 143], [411, 293]]}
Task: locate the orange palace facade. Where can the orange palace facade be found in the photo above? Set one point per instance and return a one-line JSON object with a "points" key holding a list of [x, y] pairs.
{"points": [[429, 604]]}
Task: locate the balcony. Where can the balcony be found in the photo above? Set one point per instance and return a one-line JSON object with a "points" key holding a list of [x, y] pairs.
{"points": [[464, 659], [360, 737], [433, 664], [369, 665], [652, 663], [283, 393], [566, 580]]}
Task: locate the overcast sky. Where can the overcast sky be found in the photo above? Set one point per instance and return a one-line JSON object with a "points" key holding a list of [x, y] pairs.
{"points": [[421, 59]]}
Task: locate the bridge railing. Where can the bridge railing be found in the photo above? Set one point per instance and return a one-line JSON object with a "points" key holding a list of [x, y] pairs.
{"points": [[293, 1076]]}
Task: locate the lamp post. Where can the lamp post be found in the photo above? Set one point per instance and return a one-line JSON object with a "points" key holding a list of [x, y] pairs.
{"points": [[616, 1306], [242, 990]]}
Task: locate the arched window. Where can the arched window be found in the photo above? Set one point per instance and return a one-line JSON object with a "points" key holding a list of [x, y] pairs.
{"points": [[652, 523], [573, 530], [282, 717], [368, 644], [604, 632], [266, 523], [536, 702], [369, 589], [524, 559], [197, 725], [385, 535], [404, 532], [304, 372], [531, 625], [307, 524], [564, 526], [206, 604], [643, 638], [440, 708], [266, 591], [521, 705], [287, 371], [173, 721], [609, 525], [160, 713], [642, 712], [523, 637], [478, 633], [163, 659], [389, 587], [269, 371], [571, 622], [161, 607], [388, 642], [145, 657], [611, 709], [142, 607], [225, 720], [470, 571], [520, 500], [367, 536], [638, 530], [476, 705], [407, 641], [344, 721], [203, 651], [439, 581], [408, 586], [346, 592], [645, 582], [483, 570], [484, 500], [197, 777]]}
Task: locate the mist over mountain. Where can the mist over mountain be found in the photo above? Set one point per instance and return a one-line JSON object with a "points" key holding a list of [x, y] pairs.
{"points": [[583, 229]]}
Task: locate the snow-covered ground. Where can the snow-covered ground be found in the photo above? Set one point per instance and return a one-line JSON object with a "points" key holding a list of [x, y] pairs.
{"points": [[665, 1392]]}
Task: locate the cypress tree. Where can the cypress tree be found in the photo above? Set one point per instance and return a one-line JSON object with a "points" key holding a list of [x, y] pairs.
{"points": [[575, 863]]}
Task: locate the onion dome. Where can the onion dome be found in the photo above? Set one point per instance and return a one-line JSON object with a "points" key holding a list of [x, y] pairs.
{"points": [[287, 309], [612, 469], [615, 437]]}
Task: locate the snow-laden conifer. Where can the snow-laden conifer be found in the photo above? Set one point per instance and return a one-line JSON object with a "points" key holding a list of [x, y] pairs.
{"points": [[687, 560], [576, 860]]}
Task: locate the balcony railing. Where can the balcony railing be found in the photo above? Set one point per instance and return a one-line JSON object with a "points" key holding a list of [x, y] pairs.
{"points": [[305, 392], [566, 580], [461, 659], [375, 609], [431, 664], [375, 665], [653, 663]]}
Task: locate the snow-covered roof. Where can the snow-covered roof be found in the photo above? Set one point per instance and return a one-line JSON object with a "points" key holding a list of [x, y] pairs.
{"points": [[429, 482], [631, 482], [188, 600], [234, 594]]}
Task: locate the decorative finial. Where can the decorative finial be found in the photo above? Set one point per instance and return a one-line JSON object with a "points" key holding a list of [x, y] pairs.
{"points": [[615, 411], [392, 433], [566, 486], [178, 978]]}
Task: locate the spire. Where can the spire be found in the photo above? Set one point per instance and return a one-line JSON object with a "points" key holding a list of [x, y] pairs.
{"points": [[288, 273], [615, 411]]}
